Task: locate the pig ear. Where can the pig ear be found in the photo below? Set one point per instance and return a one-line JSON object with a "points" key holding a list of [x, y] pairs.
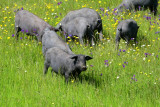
{"points": [[60, 27], [120, 29], [138, 27], [88, 57], [74, 57]]}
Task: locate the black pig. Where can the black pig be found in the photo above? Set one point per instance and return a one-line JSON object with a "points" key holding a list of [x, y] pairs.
{"points": [[51, 39], [127, 30], [92, 17], [66, 64], [137, 4], [30, 24]]}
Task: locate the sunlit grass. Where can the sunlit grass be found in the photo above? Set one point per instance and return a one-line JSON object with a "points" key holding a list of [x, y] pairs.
{"points": [[127, 77]]}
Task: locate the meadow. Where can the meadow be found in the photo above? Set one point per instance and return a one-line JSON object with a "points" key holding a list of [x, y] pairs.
{"points": [[127, 77]]}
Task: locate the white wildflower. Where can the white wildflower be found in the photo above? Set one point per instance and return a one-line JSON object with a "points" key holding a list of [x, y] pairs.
{"points": [[144, 58], [143, 45], [117, 77]]}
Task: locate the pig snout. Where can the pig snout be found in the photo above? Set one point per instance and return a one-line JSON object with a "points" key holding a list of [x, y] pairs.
{"points": [[84, 68]]}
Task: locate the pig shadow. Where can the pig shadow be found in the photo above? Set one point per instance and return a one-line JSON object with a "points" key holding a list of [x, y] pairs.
{"points": [[92, 80], [141, 40]]}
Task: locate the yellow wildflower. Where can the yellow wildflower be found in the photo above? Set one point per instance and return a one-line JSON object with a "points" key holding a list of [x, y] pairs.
{"points": [[5, 18], [40, 43], [8, 37], [72, 81], [84, 5]]}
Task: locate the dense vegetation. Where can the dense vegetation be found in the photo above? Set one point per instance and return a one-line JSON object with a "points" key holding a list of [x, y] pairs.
{"points": [[127, 77]]}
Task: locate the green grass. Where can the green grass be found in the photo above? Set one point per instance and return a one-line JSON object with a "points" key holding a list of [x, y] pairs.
{"points": [[130, 79]]}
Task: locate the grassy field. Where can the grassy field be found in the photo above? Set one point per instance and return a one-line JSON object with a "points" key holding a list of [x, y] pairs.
{"points": [[129, 77]]}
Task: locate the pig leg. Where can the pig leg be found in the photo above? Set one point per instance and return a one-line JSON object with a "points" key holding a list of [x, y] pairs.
{"points": [[39, 38], [66, 77], [81, 39], [135, 41], [52, 72], [100, 35], [17, 29], [155, 11], [66, 36], [153, 8], [117, 40], [46, 66], [100, 31], [91, 39], [90, 36], [127, 40], [75, 75]]}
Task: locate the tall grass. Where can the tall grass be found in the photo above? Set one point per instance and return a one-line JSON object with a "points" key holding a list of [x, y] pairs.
{"points": [[127, 77]]}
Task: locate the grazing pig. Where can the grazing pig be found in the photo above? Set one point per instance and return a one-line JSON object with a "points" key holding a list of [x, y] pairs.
{"points": [[51, 39], [30, 24], [91, 15], [137, 4], [66, 64], [80, 27], [127, 30]]}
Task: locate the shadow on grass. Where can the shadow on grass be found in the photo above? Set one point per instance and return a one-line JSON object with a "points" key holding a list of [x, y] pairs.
{"points": [[141, 40], [92, 80]]}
